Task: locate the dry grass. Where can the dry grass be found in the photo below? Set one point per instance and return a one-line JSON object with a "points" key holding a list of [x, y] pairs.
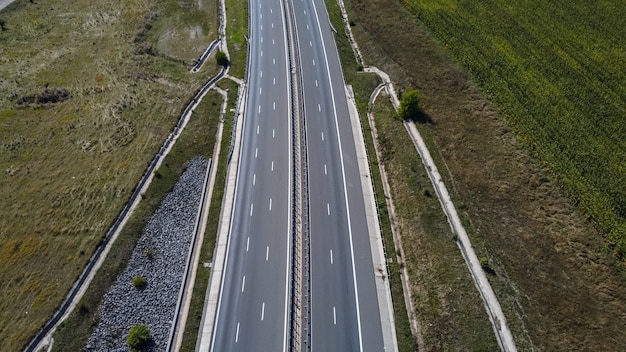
{"points": [[68, 167], [555, 278], [448, 306]]}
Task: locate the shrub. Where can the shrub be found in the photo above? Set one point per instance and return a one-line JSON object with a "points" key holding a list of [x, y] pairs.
{"points": [[410, 105], [140, 282], [138, 336], [484, 263], [221, 58]]}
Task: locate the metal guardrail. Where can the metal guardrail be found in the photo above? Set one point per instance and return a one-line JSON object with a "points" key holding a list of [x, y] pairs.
{"points": [[299, 317]]}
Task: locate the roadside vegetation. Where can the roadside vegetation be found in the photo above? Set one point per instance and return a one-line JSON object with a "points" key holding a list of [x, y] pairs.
{"points": [[86, 100], [138, 337], [236, 32], [557, 279]]}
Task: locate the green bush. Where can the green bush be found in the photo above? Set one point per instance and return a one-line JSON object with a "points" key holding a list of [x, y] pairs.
{"points": [[484, 263], [140, 282], [138, 336], [410, 105], [221, 58]]}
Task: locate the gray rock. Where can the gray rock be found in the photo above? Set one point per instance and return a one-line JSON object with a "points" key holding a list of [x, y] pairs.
{"points": [[160, 256]]}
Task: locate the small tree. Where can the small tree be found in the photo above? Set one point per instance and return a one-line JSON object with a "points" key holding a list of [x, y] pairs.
{"points": [[410, 105], [3, 25], [138, 336], [221, 58]]}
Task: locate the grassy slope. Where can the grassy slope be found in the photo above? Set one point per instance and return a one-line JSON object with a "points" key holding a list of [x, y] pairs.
{"points": [[554, 275], [69, 167]]}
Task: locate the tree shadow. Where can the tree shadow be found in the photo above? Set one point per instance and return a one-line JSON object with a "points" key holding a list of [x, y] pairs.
{"points": [[422, 118], [150, 346]]}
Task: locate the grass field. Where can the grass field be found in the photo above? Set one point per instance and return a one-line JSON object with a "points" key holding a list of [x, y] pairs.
{"points": [[86, 99], [554, 275], [557, 70]]}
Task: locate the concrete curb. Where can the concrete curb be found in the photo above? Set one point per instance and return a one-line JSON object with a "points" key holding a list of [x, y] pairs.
{"points": [[221, 247]]}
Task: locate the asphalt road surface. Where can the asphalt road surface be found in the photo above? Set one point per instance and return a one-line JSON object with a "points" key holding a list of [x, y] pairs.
{"points": [[344, 307], [254, 300], [253, 306]]}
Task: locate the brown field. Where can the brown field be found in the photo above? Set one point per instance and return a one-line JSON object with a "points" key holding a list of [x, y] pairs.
{"points": [[556, 279]]}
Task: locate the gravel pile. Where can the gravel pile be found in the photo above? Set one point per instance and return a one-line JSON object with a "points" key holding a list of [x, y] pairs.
{"points": [[160, 256]]}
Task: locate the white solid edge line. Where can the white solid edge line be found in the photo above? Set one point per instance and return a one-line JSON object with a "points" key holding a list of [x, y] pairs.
{"points": [[289, 212]]}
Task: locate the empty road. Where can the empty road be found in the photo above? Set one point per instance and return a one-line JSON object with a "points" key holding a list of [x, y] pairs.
{"points": [[344, 307], [253, 306]]}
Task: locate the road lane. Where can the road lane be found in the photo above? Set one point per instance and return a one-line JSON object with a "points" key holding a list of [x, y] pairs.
{"points": [[253, 304], [345, 314]]}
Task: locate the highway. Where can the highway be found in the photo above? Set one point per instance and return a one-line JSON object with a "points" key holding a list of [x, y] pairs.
{"points": [[252, 313], [344, 308], [254, 302]]}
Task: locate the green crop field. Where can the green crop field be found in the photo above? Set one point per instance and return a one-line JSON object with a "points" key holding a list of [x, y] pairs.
{"points": [[89, 90], [557, 69]]}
